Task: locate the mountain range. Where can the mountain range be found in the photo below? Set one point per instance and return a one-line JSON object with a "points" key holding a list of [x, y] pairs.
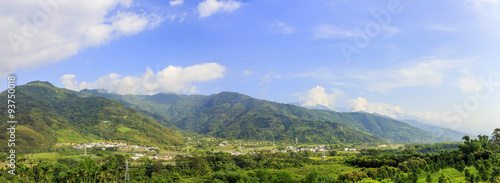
{"points": [[237, 116], [48, 115]]}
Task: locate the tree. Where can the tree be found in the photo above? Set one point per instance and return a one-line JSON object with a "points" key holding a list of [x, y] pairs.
{"points": [[312, 176], [413, 177], [471, 145], [441, 179], [429, 178], [471, 161], [495, 141], [461, 166], [333, 153], [469, 176]]}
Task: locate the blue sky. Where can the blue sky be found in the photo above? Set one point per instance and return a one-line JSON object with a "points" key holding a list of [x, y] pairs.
{"points": [[437, 61]]}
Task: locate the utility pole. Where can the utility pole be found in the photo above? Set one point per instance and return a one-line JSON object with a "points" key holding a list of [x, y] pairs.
{"points": [[127, 176], [85, 147], [296, 141], [273, 141], [240, 145], [323, 155]]}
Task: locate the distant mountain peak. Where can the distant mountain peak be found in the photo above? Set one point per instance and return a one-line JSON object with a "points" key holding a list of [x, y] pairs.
{"points": [[40, 83]]}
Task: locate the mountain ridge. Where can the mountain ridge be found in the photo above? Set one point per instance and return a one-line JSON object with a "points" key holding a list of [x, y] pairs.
{"points": [[227, 114]]}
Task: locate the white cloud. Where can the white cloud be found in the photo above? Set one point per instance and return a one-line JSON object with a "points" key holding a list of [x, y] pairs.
{"points": [[468, 84], [327, 31], [183, 16], [37, 34], [478, 3], [410, 74], [443, 28], [361, 104], [317, 96], [281, 28], [69, 82], [247, 73], [427, 73], [176, 2], [269, 77], [209, 7], [389, 31], [171, 79], [428, 116], [487, 16]]}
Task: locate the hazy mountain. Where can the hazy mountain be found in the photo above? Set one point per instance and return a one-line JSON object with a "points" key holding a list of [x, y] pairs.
{"points": [[234, 115], [322, 107], [47, 115], [453, 134]]}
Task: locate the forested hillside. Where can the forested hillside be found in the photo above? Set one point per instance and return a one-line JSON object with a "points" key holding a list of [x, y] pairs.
{"points": [[48, 115], [234, 115]]}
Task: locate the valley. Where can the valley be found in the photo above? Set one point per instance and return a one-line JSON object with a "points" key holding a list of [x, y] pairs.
{"points": [[95, 136]]}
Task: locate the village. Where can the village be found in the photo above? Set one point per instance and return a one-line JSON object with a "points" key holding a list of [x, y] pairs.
{"points": [[121, 145], [105, 145], [294, 149]]}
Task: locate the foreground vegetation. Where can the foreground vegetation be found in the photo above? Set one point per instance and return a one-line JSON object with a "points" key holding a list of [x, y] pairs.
{"points": [[473, 160]]}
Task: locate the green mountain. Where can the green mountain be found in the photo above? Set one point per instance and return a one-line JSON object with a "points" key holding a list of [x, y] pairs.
{"points": [[48, 115], [233, 115]]}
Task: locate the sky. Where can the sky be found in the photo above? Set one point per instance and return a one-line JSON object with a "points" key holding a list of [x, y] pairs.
{"points": [[434, 61]]}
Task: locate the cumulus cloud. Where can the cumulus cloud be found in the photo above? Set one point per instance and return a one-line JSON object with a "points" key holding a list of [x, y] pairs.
{"points": [[209, 7], [171, 79], [50, 31], [361, 104], [281, 28], [468, 82], [318, 96], [176, 2]]}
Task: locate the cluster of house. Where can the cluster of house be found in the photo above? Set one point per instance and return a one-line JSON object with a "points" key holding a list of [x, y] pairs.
{"points": [[105, 145], [349, 149], [137, 156], [289, 148], [312, 149], [224, 143]]}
